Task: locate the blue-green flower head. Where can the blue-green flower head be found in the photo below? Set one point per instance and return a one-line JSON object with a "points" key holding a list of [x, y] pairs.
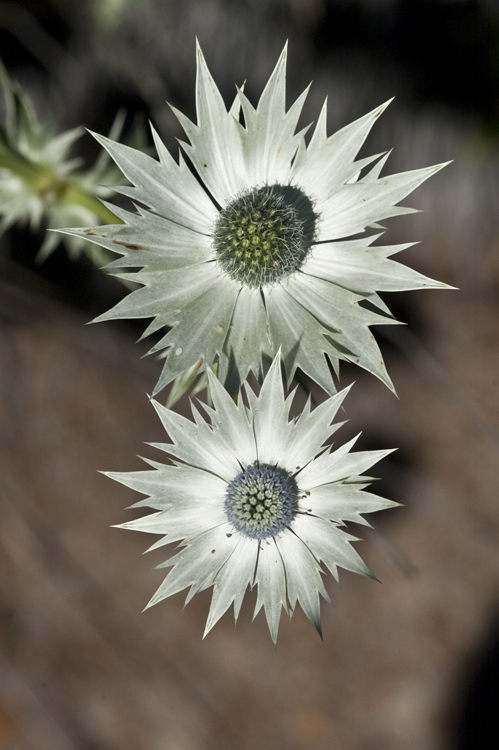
{"points": [[261, 500], [259, 237], [255, 500], [253, 253]]}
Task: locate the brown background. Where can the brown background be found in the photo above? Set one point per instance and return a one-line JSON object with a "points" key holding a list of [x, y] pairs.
{"points": [[408, 664]]}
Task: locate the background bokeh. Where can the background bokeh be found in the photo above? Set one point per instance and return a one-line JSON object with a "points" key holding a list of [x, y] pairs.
{"points": [[411, 664]]}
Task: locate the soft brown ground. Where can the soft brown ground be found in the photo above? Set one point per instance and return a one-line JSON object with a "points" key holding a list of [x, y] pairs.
{"points": [[81, 668]]}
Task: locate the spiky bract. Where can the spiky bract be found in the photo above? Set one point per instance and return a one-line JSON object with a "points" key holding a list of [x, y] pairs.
{"points": [[41, 186], [312, 490], [195, 276]]}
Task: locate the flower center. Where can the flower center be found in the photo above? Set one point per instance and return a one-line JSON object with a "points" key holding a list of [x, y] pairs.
{"points": [[261, 500], [259, 238]]}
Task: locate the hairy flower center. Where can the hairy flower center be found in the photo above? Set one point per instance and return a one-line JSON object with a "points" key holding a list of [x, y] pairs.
{"points": [[259, 238], [260, 501]]}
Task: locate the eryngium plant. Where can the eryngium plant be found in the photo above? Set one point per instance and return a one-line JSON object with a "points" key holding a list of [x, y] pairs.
{"points": [[41, 186], [251, 254], [255, 499]]}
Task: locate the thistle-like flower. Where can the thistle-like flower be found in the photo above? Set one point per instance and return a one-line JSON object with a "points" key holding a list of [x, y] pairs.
{"points": [[251, 254], [39, 184], [255, 500]]}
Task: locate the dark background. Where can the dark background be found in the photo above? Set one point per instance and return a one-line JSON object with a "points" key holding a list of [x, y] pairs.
{"points": [[411, 664]]}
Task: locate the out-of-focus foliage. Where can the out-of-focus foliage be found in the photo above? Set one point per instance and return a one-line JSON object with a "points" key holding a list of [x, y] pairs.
{"points": [[39, 182], [109, 13]]}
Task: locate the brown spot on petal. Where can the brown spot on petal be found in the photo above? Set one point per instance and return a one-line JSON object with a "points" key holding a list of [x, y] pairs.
{"points": [[130, 245]]}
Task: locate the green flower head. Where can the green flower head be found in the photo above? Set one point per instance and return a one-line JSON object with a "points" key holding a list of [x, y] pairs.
{"points": [[252, 253], [255, 499], [41, 185]]}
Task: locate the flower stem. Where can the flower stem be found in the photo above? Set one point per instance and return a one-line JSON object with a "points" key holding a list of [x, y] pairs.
{"points": [[50, 186]]}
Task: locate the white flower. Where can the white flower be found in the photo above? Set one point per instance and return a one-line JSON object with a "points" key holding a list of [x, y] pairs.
{"points": [[251, 254], [255, 499]]}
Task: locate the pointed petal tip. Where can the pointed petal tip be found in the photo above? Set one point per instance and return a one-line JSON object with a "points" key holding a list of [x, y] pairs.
{"points": [[345, 391], [210, 624], [442, 165], [396, 504], [157, 389], [388, 382], [390, 450], [102, 139], [282, 60], [316, 622], [199, 52], [110, 474], [379, 111]]}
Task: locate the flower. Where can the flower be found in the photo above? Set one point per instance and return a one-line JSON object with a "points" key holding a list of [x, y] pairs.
{"points": [[251, 254], [38, 181], [255, 499]]}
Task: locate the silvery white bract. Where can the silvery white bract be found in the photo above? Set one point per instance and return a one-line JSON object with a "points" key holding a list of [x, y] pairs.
{"points": [[252, 256], [255, 500]]}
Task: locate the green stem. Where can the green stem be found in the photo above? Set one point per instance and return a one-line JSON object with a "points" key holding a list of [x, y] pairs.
{"points": [[17, 164], [43, 180], [74, 194]]}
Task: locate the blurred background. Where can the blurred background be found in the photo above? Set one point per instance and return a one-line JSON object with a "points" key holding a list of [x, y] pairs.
{"points": [[411, 664]]}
